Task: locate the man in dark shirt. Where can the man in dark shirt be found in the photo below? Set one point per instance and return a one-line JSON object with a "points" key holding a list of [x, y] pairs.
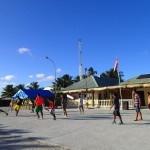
{"points": [[116, 111]]}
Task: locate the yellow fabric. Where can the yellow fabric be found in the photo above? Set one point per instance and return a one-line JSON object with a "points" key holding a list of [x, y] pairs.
{"points": [[16, 107]]}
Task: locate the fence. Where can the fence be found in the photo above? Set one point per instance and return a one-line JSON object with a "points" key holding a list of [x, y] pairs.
{"points": [[104, 104]]}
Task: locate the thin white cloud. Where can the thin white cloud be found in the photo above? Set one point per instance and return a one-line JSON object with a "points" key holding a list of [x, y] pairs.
{"points": [[8, 77], [30, 76], [40, 75], [24, 50], [58, 70], [48, 78]]}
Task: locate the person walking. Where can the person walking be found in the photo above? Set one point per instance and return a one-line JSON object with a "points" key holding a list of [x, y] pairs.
{"points": [[137, 104], [18, 105], [4, 112], [64, 104], [81, 108], [116, 111], [52, 108], [11, 105], [148, 97], [39, 106]]}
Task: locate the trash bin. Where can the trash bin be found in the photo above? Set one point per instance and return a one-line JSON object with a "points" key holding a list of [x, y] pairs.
{"points": [[125, 105]]}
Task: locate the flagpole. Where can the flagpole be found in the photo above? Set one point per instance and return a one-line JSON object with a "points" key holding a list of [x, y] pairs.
{"points": [[119, 85], [116, 68], [120, 88]]}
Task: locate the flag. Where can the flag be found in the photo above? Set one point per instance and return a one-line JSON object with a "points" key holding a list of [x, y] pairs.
{"points": [[116, 64]]}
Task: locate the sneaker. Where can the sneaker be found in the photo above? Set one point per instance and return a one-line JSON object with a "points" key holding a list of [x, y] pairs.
{"points": [[113, 122], [135, 120], [120, 123]]}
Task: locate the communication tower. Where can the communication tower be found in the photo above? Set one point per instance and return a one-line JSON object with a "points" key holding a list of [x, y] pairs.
{"points": [[80, 57]]}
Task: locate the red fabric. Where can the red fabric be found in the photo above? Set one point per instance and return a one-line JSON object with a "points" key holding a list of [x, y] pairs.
{"points": [[39, 101], [116, 64], [51, 105]]}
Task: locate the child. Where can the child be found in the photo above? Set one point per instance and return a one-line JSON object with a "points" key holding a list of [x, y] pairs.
{"points": [[39, 105], [116, 109], [52, 107], [64, 104], [18, 105], [11, 105], [137, 104], [81, 108], [148, 96]]}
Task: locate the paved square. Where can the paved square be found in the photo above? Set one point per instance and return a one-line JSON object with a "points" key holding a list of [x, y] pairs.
{"points": [[92, 131]]}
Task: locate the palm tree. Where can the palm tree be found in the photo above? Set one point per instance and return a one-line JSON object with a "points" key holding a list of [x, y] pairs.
{"points": [[112, 74], [33, 86], [20, 86], [58, 84], [91, 71], [77, 79], [63, 82], [67, 80], [8, 91]]}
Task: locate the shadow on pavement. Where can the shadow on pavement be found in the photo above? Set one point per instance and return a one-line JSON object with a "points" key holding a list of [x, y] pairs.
{"points": [[88, 118], [9, 140]]}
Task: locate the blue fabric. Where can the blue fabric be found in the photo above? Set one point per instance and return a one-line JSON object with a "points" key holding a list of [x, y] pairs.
{"points": [[21, 94], [34, 93], [27, 93]]}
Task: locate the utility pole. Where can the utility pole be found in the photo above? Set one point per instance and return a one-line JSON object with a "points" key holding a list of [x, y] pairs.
{"points": [[87, 104], [55, 76], [80, 57]]}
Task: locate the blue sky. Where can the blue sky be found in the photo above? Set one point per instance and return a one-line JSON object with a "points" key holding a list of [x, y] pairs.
{"points": [[33, 29]]}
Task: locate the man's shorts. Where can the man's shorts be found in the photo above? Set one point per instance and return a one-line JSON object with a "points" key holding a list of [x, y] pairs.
{"points": [[137, 108], [17, 107], [52, 111], [116, 113], [64, 107], [81, 106], [38, 109]]}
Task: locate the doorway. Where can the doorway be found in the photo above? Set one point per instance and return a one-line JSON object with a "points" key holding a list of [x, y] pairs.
{"points": [[141, 94]]}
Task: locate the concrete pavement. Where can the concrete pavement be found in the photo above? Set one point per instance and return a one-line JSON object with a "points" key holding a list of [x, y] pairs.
{"points": [[92, 131]]}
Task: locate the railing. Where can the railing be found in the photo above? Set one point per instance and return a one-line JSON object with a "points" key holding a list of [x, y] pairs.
{"points": [[130, 103], [100, 103], [107, 103]]}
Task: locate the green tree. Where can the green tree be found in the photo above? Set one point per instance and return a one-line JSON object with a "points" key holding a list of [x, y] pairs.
{"points": [[77, 79], [8, 91], [63, 82], [20, 86], [113, 74], [91, 71], [58, 84], [67, 80], [34, 86]]}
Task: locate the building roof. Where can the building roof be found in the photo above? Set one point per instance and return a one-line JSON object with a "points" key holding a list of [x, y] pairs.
{"points": [[92, 82], [141, 79]]}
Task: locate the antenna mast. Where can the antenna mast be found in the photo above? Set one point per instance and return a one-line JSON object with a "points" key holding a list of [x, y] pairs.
{"points": [[80, 56]]}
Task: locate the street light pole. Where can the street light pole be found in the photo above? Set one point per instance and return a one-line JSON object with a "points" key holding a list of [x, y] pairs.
{"points": [[55, 75]]}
